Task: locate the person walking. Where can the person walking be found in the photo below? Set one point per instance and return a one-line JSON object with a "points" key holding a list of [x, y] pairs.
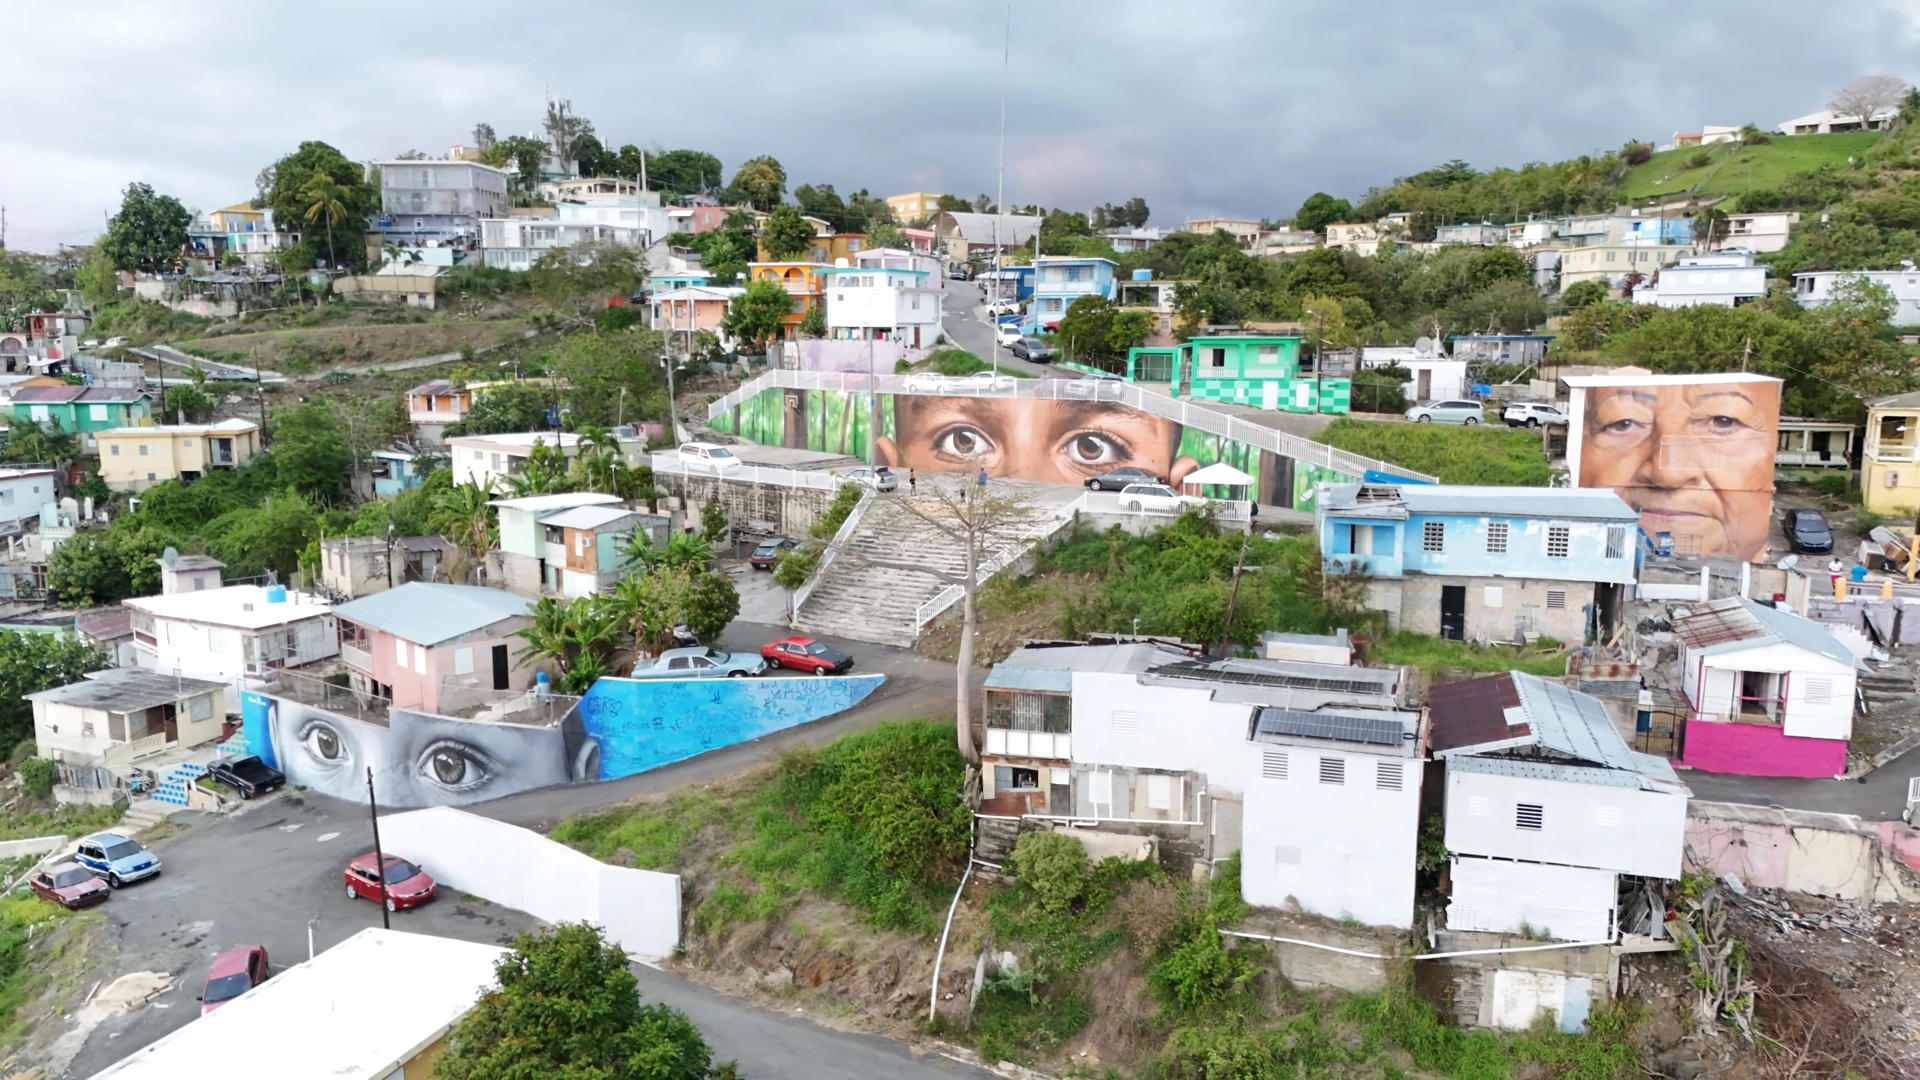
{"points": [[913, 484]]}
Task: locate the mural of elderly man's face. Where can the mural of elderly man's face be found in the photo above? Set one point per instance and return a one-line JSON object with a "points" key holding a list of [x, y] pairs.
{"points": [[424, 760]]}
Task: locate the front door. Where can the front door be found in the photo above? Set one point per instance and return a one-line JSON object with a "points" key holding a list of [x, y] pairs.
{"points": [[1270, 395], [1453, 612], [500, 667], [1423, 385]]}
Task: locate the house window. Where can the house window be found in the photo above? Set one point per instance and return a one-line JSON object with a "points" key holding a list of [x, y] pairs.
{"points": [[1494, 596], [1529, 816], [1217, 357], [1009, 778], [1616, 541], [1556, 599], [1607, 816], [1333, 770], [1559, 541], [86, 729], [1273, 764], [1388, 775], [96, 412], [419, 660], [1126, 723], [399, 652], [1159, 792], [1497, 537], [116, 450], [1433, 536], [143, 449], [201, 707], [1819, 690], [1268, 354]]}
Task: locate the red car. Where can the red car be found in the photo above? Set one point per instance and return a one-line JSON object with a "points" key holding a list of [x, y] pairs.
{"points": [[69, 884], [233, 973], [407, 884], [806, 654]]}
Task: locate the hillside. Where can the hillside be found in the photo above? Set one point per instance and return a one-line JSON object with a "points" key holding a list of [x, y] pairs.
{"points": [[1734, 168]]}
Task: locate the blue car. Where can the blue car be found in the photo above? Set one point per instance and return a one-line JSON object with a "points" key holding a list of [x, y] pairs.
{"points": [[116, 858]]}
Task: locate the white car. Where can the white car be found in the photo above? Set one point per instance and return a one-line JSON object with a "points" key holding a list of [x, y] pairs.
{"points": [[1004, 307], [982, 382], [927, 382], [1157, 497], [1531, 414], [710, 456], [117, 341], [1006, 333]]}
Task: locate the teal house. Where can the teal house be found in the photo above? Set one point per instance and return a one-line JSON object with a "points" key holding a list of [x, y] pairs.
{"points": [[1261, 371], [82, 409]]}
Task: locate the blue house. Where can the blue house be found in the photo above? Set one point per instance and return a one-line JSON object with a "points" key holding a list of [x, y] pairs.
{"points": [[668, 282], [1484, 563], [1008, 282], [1059, 280], [395, 471]]}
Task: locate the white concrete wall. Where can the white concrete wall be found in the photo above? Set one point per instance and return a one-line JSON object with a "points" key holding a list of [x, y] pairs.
{"points": [[638, 909], [195, 651], [33, 845], [1342, 851], [57, 732], [1619, 829], [1171, 728], [1570, 903]]}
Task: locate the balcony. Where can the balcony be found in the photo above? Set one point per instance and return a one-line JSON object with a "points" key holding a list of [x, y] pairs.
{"points": [[1082, 287], [1029, 744], [357, 658]]}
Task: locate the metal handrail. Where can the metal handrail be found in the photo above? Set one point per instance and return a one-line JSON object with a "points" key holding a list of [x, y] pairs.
{"points": [[1211, 421]]}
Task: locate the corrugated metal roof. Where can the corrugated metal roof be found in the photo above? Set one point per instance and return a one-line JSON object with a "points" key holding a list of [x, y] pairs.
{"points": [[1051, 667], [1055, 680], [587, 517], [1480, 500], [426, 613], [1733, 623], [1571, 722]]}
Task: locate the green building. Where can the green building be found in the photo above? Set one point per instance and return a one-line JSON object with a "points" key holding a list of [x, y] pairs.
{"points": [[81, 409], [1261, 371]]}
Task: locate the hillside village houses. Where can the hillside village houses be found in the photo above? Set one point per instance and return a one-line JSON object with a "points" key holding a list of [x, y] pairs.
{"points": [[487, 460]]}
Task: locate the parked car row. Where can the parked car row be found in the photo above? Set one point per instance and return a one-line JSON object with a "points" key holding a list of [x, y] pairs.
{"points": [[932, 382], [795, 653], [1530, 414]]}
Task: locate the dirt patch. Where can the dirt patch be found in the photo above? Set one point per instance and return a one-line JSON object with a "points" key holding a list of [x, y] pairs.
{"points": [[53, 1021]]}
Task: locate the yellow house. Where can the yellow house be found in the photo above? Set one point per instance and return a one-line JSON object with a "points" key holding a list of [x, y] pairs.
{"points": [[378, 1006], [236, 218], [1890, 464], [914, 206], [136, 458]]}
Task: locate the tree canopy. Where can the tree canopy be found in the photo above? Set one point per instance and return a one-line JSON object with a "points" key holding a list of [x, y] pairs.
{"points": [[785, 234], [761, 181], [148, 232], [757, 314], [292, 192]]}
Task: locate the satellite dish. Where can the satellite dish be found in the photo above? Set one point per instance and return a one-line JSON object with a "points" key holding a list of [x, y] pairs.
{"points": [[169, 557], [1789, 562], [1423, 345]]}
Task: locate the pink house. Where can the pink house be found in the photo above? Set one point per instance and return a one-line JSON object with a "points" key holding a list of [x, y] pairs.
{"points": [[421, 643], [682, 313]]}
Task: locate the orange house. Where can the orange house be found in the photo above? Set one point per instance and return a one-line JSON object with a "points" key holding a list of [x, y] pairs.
{"points": [[804, 283]]}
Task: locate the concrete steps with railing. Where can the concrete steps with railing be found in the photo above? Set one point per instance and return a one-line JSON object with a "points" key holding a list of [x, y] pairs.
{"points": [[172, 783], [893, 566]]}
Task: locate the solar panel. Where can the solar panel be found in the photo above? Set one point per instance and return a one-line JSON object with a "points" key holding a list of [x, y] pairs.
{"points": [[1373, 730], [1194, 669]]}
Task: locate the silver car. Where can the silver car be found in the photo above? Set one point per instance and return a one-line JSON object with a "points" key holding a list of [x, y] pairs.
{"points": [[699, 662], [879, 479], [1457, 411]]}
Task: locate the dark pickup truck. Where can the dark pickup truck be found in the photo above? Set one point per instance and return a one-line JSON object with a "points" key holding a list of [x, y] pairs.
{"points": [[248, 775]]}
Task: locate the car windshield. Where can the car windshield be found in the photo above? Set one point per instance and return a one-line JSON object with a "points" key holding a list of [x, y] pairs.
{"points": [[227, 987], [122, 850], [767, 548], [400, 870], [717, 452], [71, 876], [716, 656], [817, 649]]}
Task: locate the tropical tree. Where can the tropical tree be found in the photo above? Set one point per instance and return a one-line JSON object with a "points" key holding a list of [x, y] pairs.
{"points": [[886, 234], [32, 662], [463, 516], [284, 190], [578, 638], [762, 181], [785, 234], [325, 201], [148, 232], [813, 324], [758, 314], [544, 473]]}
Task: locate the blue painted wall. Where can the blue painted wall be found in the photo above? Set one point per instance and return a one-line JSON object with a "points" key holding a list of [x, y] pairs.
{"points": [[1398, 548], [643, 724], [256, 728]]}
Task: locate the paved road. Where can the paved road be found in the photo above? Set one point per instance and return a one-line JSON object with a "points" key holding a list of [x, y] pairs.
{"points": [[257, 877], [1880, 796], [216, 371], [963, 317]]}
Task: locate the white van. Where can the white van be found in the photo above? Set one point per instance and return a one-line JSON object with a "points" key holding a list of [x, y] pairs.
{"points": [[710, 456]]}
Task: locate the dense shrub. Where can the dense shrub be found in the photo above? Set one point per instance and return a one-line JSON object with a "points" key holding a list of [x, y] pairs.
{"points": [[1483, 454], [1054, 865], [37, 776]]}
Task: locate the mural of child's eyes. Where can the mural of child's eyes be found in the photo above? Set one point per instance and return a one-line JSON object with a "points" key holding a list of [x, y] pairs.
{"points": [[324, 745], [455, 767]]}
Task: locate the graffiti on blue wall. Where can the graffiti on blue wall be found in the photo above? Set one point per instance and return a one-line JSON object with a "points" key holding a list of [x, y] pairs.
{"points": [[643, 724]]}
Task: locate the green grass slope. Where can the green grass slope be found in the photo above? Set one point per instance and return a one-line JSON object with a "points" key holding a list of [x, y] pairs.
{"points": [[1734, 168]]}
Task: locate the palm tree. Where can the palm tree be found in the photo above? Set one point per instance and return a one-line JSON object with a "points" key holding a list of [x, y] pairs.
{"points": [[325, 199], [393, 251], [463, 515]]}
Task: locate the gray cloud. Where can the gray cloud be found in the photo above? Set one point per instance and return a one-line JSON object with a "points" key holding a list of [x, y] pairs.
{"points": [[1201, 107]]}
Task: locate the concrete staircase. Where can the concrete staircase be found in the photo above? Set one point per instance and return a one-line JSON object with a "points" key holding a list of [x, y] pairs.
{"points": [[142, 813], [895, 563], [173, 781]]}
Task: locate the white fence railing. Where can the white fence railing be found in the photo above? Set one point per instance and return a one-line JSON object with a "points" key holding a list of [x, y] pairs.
{"points": [[1037, 744], [670, 463], [841, 537], [1199, 417]]}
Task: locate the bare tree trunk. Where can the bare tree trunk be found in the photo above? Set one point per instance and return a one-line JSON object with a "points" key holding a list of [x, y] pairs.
{"points": [[963, 663]]}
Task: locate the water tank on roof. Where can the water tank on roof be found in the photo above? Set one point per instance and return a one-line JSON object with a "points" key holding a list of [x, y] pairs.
{"points": [[276, 594], [1143, 274]]}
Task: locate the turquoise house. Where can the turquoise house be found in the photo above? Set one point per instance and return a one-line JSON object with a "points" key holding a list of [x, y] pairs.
{"points": [[1261, 371], [82, 409]]}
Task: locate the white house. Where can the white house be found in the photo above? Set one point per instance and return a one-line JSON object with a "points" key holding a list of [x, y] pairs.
{"points": [[22, 493], [465, 189], [515, 243], [229, 633], [1253, 756], [1826, 122], [1759, 232], [1724, 278], [1483, 234], [1547, 809], [1436, 376], [1815, 287], [872, 302], [112, 717], [488, 460], [1768, 693]]}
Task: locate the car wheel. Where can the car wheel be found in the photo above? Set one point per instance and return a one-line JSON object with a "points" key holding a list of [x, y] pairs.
{"points": [[773, 662], [352, 893], [736, 674], [1423, 419], [821, 671], [1095, 485], [246, 793], [114, 882], [1533, 423], [1470, 421], [391, 906]]}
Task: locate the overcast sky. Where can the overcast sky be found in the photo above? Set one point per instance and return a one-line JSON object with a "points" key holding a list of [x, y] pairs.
{"points": [[1203, 108]]}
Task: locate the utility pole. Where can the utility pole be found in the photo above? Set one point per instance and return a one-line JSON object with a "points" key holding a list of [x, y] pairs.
{"points": [[1233, 593], [1000, 189], [379, 858], [260, 395]]}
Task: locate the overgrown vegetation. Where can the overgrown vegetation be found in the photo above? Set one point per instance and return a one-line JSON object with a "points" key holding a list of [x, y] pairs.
{"points": [[1482, 454], [873, 819], [1433, 655], [36, 938]]}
